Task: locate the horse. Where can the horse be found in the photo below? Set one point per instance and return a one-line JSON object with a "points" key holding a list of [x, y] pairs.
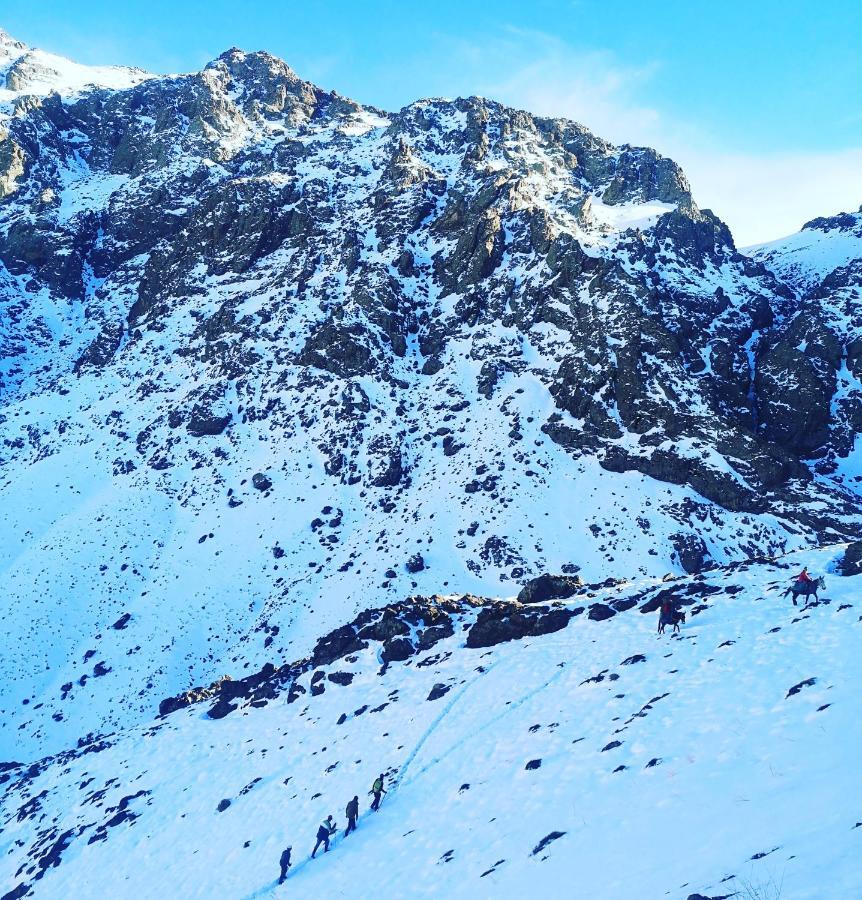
{"points": [[675, 619], [805, 588]]}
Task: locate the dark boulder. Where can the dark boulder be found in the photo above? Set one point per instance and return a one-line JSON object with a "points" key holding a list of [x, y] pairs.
{"points": [[415, 564], [122, 622], [549, 587], [172, 704], [547, 839], [386, 627], [396, 650], [204, 423], [438, 691], [430, 636], [335, 645], [295, 692], [502, 622], [220, 709], [260, 481], [599, 612], [692, 552]]}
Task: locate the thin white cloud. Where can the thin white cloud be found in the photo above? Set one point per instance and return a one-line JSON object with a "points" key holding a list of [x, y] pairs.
{"points": [[766, 196], [761, 196], [544, 76]]}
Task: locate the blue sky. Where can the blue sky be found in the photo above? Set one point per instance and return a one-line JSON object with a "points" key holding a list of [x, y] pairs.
{"points": [[761, 102]]}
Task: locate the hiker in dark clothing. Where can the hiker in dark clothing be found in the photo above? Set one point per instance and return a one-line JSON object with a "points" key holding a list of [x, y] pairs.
{"points": [[352, 812], [324, 833], [284, 862], [377, 790]]}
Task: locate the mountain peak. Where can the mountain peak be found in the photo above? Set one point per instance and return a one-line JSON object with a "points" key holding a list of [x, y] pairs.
{"points": [[6, 40], [10, 50], [840, 222], [451, 302], [235, 57], [28, 70]]}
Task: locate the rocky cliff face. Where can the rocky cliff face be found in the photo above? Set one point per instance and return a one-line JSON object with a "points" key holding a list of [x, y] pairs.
{"points": [[808, 377], [267, 352]]}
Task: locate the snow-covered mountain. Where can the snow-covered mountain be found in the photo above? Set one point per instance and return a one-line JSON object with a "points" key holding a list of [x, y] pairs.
{"points": [[271, 358]]}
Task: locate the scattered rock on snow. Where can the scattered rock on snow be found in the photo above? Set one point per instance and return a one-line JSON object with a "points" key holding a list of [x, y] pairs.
{"points": [[809, 682], [438, 691], [261, 482], [547, 839]]}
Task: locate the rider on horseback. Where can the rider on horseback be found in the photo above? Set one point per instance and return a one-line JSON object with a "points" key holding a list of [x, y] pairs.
{"points": [[804, 585]]}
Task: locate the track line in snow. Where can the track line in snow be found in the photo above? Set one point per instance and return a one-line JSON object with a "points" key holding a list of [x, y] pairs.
{"points": [[510, 707]]}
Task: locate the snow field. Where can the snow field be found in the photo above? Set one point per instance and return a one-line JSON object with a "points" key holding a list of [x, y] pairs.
{"points": [[741, 768]]}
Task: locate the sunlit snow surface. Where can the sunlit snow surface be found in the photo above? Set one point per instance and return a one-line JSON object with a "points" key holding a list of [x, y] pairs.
{"points": [[804, 259], [622, 216], [40, 73], [726, 777]]}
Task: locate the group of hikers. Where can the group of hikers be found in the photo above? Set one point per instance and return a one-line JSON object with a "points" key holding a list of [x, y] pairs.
{"points": [[327, 827], [670, 615]]}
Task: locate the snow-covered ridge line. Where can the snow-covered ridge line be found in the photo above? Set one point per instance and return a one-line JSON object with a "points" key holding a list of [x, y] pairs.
{"points": [[823, 245], [28, 71]]}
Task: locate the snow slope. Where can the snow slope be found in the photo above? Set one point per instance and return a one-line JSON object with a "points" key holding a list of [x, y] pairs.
{"points": [[202, 582], [601, 761], [804, 259], [29, 71]]}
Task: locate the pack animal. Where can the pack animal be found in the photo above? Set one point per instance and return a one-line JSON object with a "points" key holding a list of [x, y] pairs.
{"points": [[675, 619], [806, 588]]}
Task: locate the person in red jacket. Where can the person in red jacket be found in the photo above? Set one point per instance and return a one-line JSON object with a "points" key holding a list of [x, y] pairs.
{"points": [[803, 577]]}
